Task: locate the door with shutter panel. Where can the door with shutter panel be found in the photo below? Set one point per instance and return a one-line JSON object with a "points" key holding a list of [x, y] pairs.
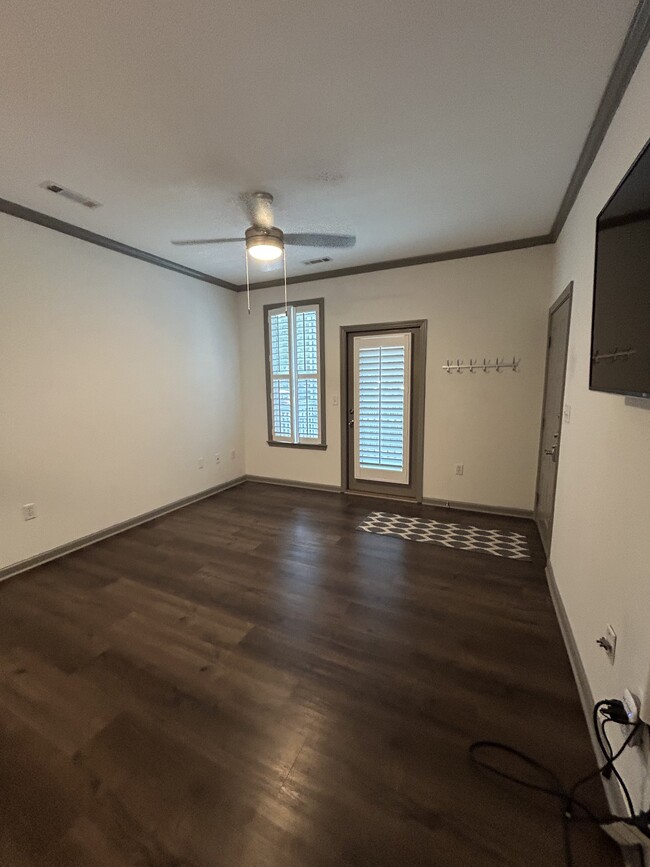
{"points": [[384, 412], [382, 408]]}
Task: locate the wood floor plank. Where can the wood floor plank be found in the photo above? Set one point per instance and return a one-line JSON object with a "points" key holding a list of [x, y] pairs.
{"points": [[251, 682]]}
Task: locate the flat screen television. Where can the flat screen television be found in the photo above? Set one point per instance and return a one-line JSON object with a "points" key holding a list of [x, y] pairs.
{"points": [[620, 325]]}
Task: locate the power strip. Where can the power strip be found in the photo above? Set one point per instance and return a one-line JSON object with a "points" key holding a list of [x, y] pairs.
{"points": [[631, 707], [644, 710], [629, 832]]}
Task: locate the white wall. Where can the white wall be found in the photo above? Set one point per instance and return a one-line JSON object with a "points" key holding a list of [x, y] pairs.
{"points": [[115, 377], [601, 541], [475, 307]]}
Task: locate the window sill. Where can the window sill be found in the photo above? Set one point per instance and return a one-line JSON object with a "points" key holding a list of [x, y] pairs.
{"points": [[317, 447]]}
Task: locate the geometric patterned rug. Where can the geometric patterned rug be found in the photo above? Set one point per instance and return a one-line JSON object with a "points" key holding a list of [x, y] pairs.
{"points": [[500, 543]]}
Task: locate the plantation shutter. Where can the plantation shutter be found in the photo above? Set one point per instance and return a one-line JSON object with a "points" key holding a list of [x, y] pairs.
{"points": [[280, 362], [382, 373], [294, 374], [307, 378]]}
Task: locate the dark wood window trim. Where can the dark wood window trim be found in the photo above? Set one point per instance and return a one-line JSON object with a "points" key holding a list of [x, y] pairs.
{"points": [[317, 446]]}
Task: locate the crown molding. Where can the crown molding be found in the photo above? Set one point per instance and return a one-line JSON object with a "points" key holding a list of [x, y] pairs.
{"points": [[634, 44], [40, 219], [462, 253]]}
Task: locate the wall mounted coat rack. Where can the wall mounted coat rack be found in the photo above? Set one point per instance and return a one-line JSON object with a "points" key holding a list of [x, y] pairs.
{"points": [[474, 365]]}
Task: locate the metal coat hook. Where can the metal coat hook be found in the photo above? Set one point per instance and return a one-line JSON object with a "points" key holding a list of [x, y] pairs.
{"points": [[499, 365]]}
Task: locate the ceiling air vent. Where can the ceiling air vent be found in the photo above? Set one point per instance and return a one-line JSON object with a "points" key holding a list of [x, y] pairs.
{"points": [[65, 193], [317, 261]]}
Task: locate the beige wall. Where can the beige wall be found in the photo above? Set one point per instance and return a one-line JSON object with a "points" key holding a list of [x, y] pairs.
{"points": [[115, 377], [487, 421], [601, 541]]}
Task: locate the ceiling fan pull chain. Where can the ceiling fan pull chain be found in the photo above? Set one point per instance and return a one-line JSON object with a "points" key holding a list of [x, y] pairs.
{"points": [[248, 285], [284, 261]]}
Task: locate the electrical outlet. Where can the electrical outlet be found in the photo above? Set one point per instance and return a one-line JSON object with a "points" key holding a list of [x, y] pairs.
{"points": [[29, 511], [611, 635], [460, 469], [608, 643], [201, 463], [335, 400], [217, 458]]}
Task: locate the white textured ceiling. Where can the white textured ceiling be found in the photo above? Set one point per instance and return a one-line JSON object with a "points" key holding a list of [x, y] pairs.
{"points": [[419, 125]]}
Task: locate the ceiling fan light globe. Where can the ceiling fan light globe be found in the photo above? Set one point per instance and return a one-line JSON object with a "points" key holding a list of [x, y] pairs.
{"points": [[265, 251]]}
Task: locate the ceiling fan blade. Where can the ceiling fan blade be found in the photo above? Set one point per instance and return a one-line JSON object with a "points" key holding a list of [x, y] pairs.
{"points": [[258, 209], [312, 239], [197, 241]]}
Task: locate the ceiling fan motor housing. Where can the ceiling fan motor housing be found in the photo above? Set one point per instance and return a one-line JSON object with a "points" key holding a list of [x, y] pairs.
{"points": [[272, 237]]}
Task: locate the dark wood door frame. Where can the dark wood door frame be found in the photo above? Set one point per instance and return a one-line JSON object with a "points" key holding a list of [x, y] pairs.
{"points": [[418, 390], [565, 298]]}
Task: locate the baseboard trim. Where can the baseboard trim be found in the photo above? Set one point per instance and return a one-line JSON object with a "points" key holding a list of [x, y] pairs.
{"points": [[113, 530], [478, 507], [631, 857], [370, 495], [292, 483], [427, 501], [579, 673]]}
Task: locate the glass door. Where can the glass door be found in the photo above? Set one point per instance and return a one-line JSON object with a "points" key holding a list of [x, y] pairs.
{"points": [[382, 407]]}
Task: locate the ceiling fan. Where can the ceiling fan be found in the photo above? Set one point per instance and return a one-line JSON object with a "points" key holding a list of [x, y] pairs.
{"points": [[264, 241]]}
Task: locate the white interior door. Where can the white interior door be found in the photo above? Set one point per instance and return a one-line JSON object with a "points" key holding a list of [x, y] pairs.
{"points": [[382, 407]]}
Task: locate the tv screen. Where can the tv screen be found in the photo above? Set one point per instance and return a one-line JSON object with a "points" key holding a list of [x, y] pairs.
{"points": [[620, 331]]}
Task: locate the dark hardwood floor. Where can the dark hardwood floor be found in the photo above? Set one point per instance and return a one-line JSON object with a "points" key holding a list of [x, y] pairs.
{"points": [[252, 682]]}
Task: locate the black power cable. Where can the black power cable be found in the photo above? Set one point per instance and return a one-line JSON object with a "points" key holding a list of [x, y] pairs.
{"points": [[608, 753], [553, 785]]}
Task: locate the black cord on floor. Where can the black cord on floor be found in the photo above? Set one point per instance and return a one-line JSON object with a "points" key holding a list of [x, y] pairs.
{"points": [[552, 785]]}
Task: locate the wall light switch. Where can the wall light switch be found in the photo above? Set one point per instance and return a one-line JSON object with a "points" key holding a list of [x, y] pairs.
{"points": [[566, 415], [201, 463], [29, 511], [460, 469], [335, 400]]}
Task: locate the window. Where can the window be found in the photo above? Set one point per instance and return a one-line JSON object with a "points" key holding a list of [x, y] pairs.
{"points": [[295, 374]]}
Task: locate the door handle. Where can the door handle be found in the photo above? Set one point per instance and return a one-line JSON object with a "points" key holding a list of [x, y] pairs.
{"points": [[552, 452], [351, 423]]}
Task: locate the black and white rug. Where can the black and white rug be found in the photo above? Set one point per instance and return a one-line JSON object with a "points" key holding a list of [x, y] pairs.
{"points": [[501, 543]]}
